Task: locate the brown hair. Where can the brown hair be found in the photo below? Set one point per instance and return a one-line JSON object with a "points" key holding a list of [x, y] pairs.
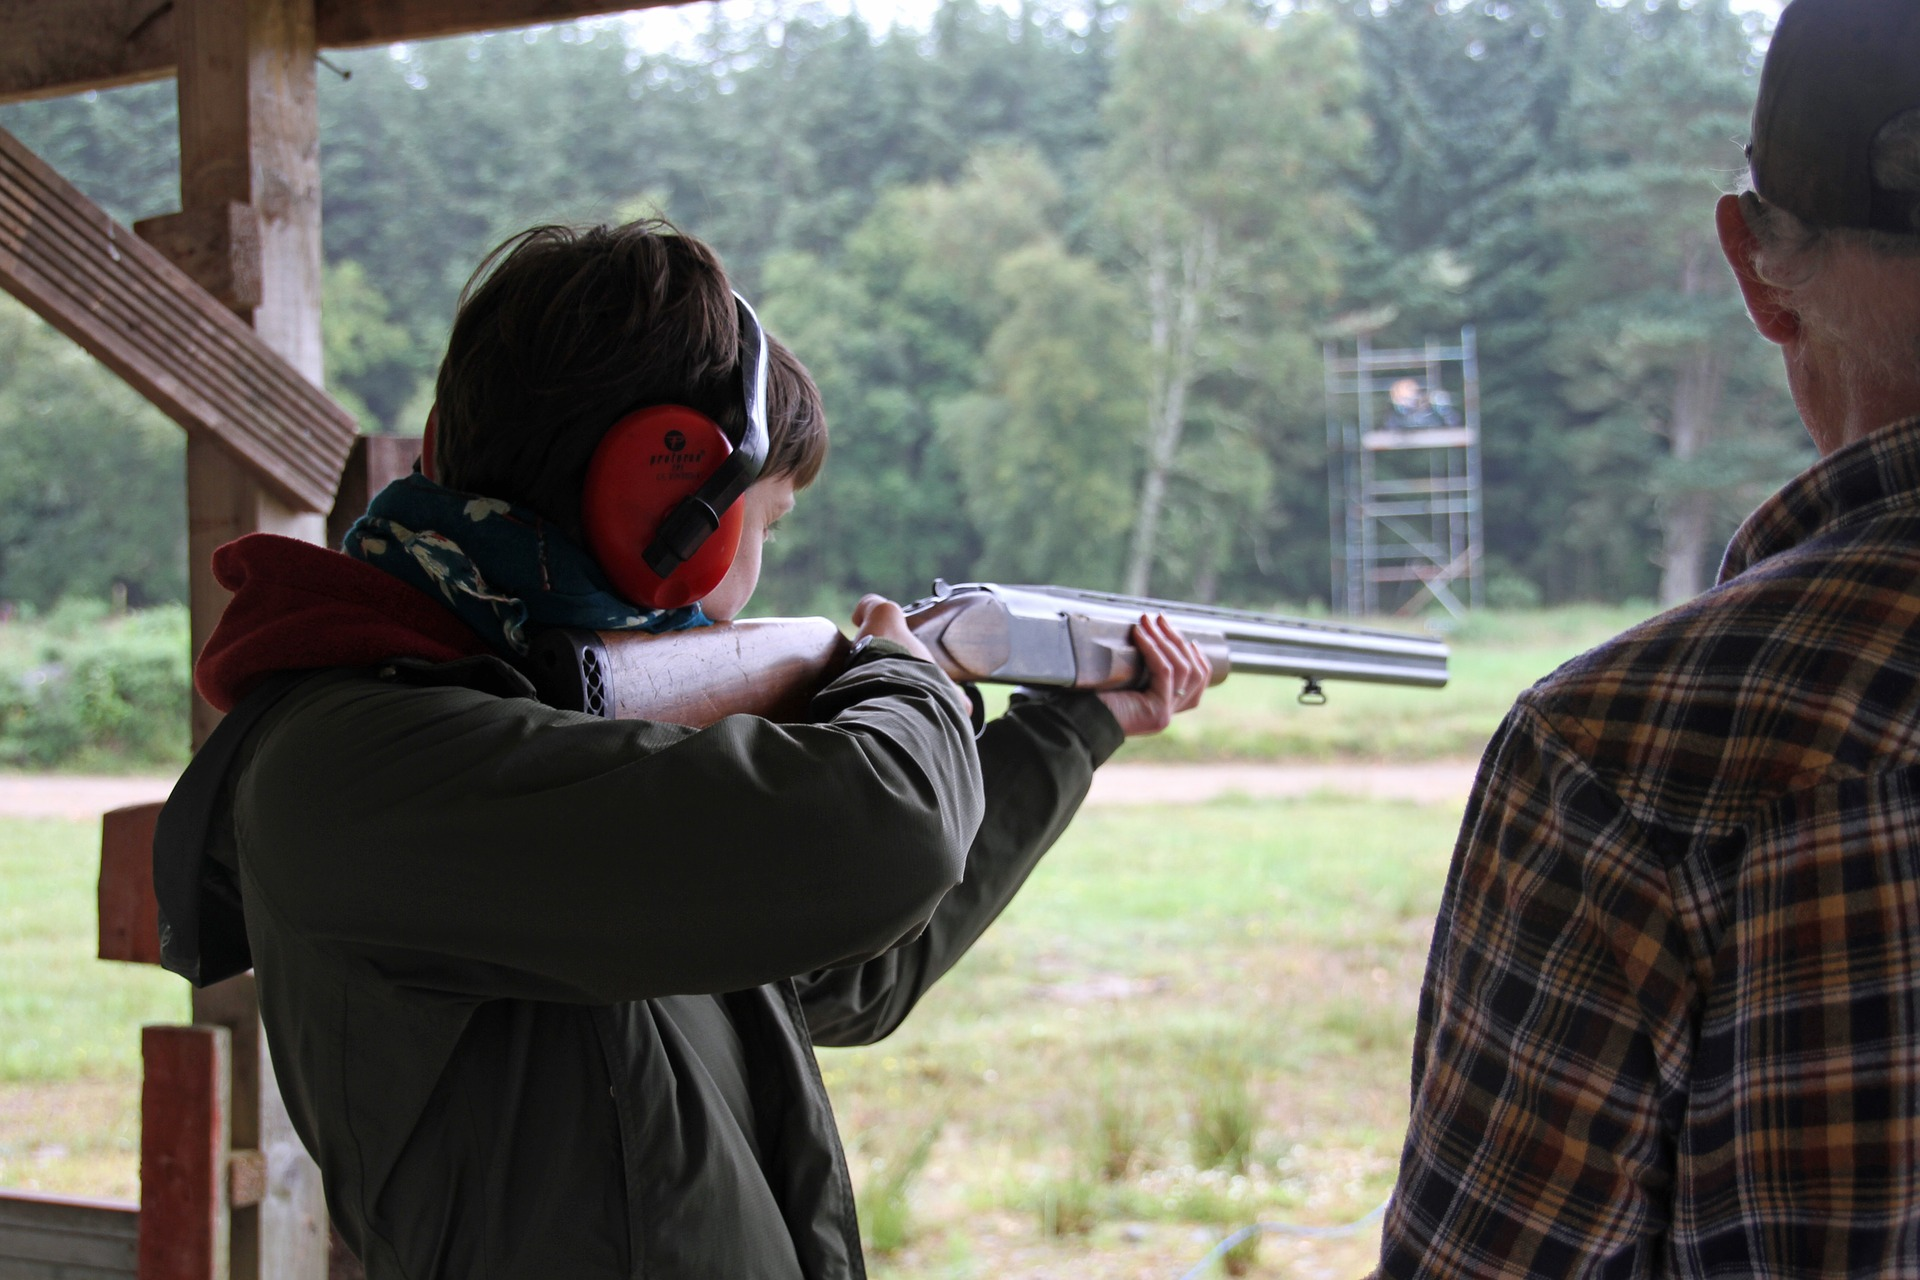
{"points": [[563, 330]]}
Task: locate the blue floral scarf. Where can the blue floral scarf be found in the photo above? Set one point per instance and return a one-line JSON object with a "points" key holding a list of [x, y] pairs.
{"points": [[436, 539]]}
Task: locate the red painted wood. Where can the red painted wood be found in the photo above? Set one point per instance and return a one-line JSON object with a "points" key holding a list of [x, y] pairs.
{"points": [[375, 463], [184, 1135], [129, 916]]}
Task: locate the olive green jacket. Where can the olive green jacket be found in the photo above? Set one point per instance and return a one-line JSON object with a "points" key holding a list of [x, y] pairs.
{"points": [[476, 920]]}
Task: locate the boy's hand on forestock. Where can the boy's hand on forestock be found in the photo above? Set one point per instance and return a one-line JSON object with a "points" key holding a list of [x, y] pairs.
{"points": [[1177, 674], [880, 617]]}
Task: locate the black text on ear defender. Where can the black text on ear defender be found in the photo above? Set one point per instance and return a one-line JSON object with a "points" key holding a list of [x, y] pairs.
{"points": [[660, 504]]}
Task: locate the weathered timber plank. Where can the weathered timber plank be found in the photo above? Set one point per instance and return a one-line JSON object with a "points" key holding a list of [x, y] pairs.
{"points": [[49, 49], [219, 248], [144, 319], [60, 1238], [185, 1114], [129, 912], [192, 352], [204, 380], [193, 369], [51, 230], [348, 23]]}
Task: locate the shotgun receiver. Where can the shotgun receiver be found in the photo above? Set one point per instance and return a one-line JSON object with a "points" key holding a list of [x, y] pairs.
{"points": [[978, 633]]}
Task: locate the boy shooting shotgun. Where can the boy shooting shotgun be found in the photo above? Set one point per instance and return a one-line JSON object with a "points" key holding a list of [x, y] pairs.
{"points": [[541, 988]]}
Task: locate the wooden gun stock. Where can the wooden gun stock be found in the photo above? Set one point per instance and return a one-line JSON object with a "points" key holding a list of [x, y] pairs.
{"points": [[767, 667]]}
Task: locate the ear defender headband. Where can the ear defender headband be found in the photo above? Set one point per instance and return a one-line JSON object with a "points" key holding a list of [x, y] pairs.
{"points": [[661, 502]]}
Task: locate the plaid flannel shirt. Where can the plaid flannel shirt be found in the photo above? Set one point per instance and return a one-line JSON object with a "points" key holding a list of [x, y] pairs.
{"points": [[1671, 1018]]}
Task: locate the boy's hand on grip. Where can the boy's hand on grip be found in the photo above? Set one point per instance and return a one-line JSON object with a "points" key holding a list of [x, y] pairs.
{"points": [[1177, 674], [880, 617]]}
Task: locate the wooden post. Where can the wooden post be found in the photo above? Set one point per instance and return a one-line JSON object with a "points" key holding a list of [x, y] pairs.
{"points": [[184, 1116], [250, 184], [249, 139]]}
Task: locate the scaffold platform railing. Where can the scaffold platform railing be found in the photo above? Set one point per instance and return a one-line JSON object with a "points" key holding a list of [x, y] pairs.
{"points": [[1403, 477]]}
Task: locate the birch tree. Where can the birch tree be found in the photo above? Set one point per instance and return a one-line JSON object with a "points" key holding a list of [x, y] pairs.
{"points": [[1228, 142]]}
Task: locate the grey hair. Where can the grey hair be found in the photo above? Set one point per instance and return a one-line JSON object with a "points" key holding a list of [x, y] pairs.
{"points": [[1844, 284]]}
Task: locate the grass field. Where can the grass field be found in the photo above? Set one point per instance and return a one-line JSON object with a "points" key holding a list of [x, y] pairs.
{"points": [[1192, 1019], [1494, 657]]}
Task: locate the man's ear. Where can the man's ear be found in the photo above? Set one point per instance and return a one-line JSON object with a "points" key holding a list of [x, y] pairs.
{"points": [[1766, 303]]}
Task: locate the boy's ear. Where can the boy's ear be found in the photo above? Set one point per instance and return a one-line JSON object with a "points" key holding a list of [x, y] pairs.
{"points": [[1767, 304]]}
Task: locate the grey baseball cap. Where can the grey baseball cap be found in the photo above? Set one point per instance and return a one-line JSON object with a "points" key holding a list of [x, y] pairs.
{"points": [[1839, 74]]}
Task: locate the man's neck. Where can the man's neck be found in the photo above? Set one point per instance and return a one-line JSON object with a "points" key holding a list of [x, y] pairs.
{"points": [[1855, 407]]}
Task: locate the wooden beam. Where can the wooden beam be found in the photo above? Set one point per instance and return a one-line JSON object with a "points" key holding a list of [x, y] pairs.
{"points": [[46, 1237], [143, 318], [219, 248], [65, 47], [250, 135], [50, 49], [346, 24]]}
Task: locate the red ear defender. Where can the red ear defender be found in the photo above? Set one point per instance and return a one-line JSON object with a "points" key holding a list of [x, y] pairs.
{"points": [[661, 502], [647, 466]]}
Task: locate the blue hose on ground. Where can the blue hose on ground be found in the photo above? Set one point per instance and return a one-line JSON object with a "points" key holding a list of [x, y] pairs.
{"points": [[1285, 1229]]}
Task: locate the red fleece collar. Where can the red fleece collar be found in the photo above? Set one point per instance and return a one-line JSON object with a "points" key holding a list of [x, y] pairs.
{"points": [[298, 607]]}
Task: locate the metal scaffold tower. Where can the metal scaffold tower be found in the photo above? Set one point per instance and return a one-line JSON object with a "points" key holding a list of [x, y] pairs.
{"points": [[1403, 477]]}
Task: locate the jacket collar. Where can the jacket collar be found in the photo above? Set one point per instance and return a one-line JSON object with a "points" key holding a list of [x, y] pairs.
{"points": [[1859, 482], [298, 607]]}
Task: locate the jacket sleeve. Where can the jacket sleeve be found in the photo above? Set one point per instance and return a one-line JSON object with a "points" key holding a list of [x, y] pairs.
{"points": [[465, 843], [1037, 761]]}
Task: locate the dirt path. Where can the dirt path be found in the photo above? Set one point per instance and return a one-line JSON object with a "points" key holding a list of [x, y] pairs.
{"points": [[68, 795], [1435, 782], [1441, 782]]}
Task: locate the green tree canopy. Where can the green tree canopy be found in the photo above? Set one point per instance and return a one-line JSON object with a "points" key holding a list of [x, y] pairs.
{"points": [[92, 478]]}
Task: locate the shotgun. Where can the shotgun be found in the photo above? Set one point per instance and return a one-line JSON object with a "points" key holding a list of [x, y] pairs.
{"points": [[978, 632]]}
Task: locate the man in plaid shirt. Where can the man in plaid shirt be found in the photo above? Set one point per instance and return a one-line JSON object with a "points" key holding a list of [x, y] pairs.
{"points": [[1671, 1018]]}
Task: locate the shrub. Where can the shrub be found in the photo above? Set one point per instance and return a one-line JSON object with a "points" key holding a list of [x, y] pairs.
{"points": [[81, 687]]}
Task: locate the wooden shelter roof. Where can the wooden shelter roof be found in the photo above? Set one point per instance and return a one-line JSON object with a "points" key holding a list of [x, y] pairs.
{"points": [[53, 47]]}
